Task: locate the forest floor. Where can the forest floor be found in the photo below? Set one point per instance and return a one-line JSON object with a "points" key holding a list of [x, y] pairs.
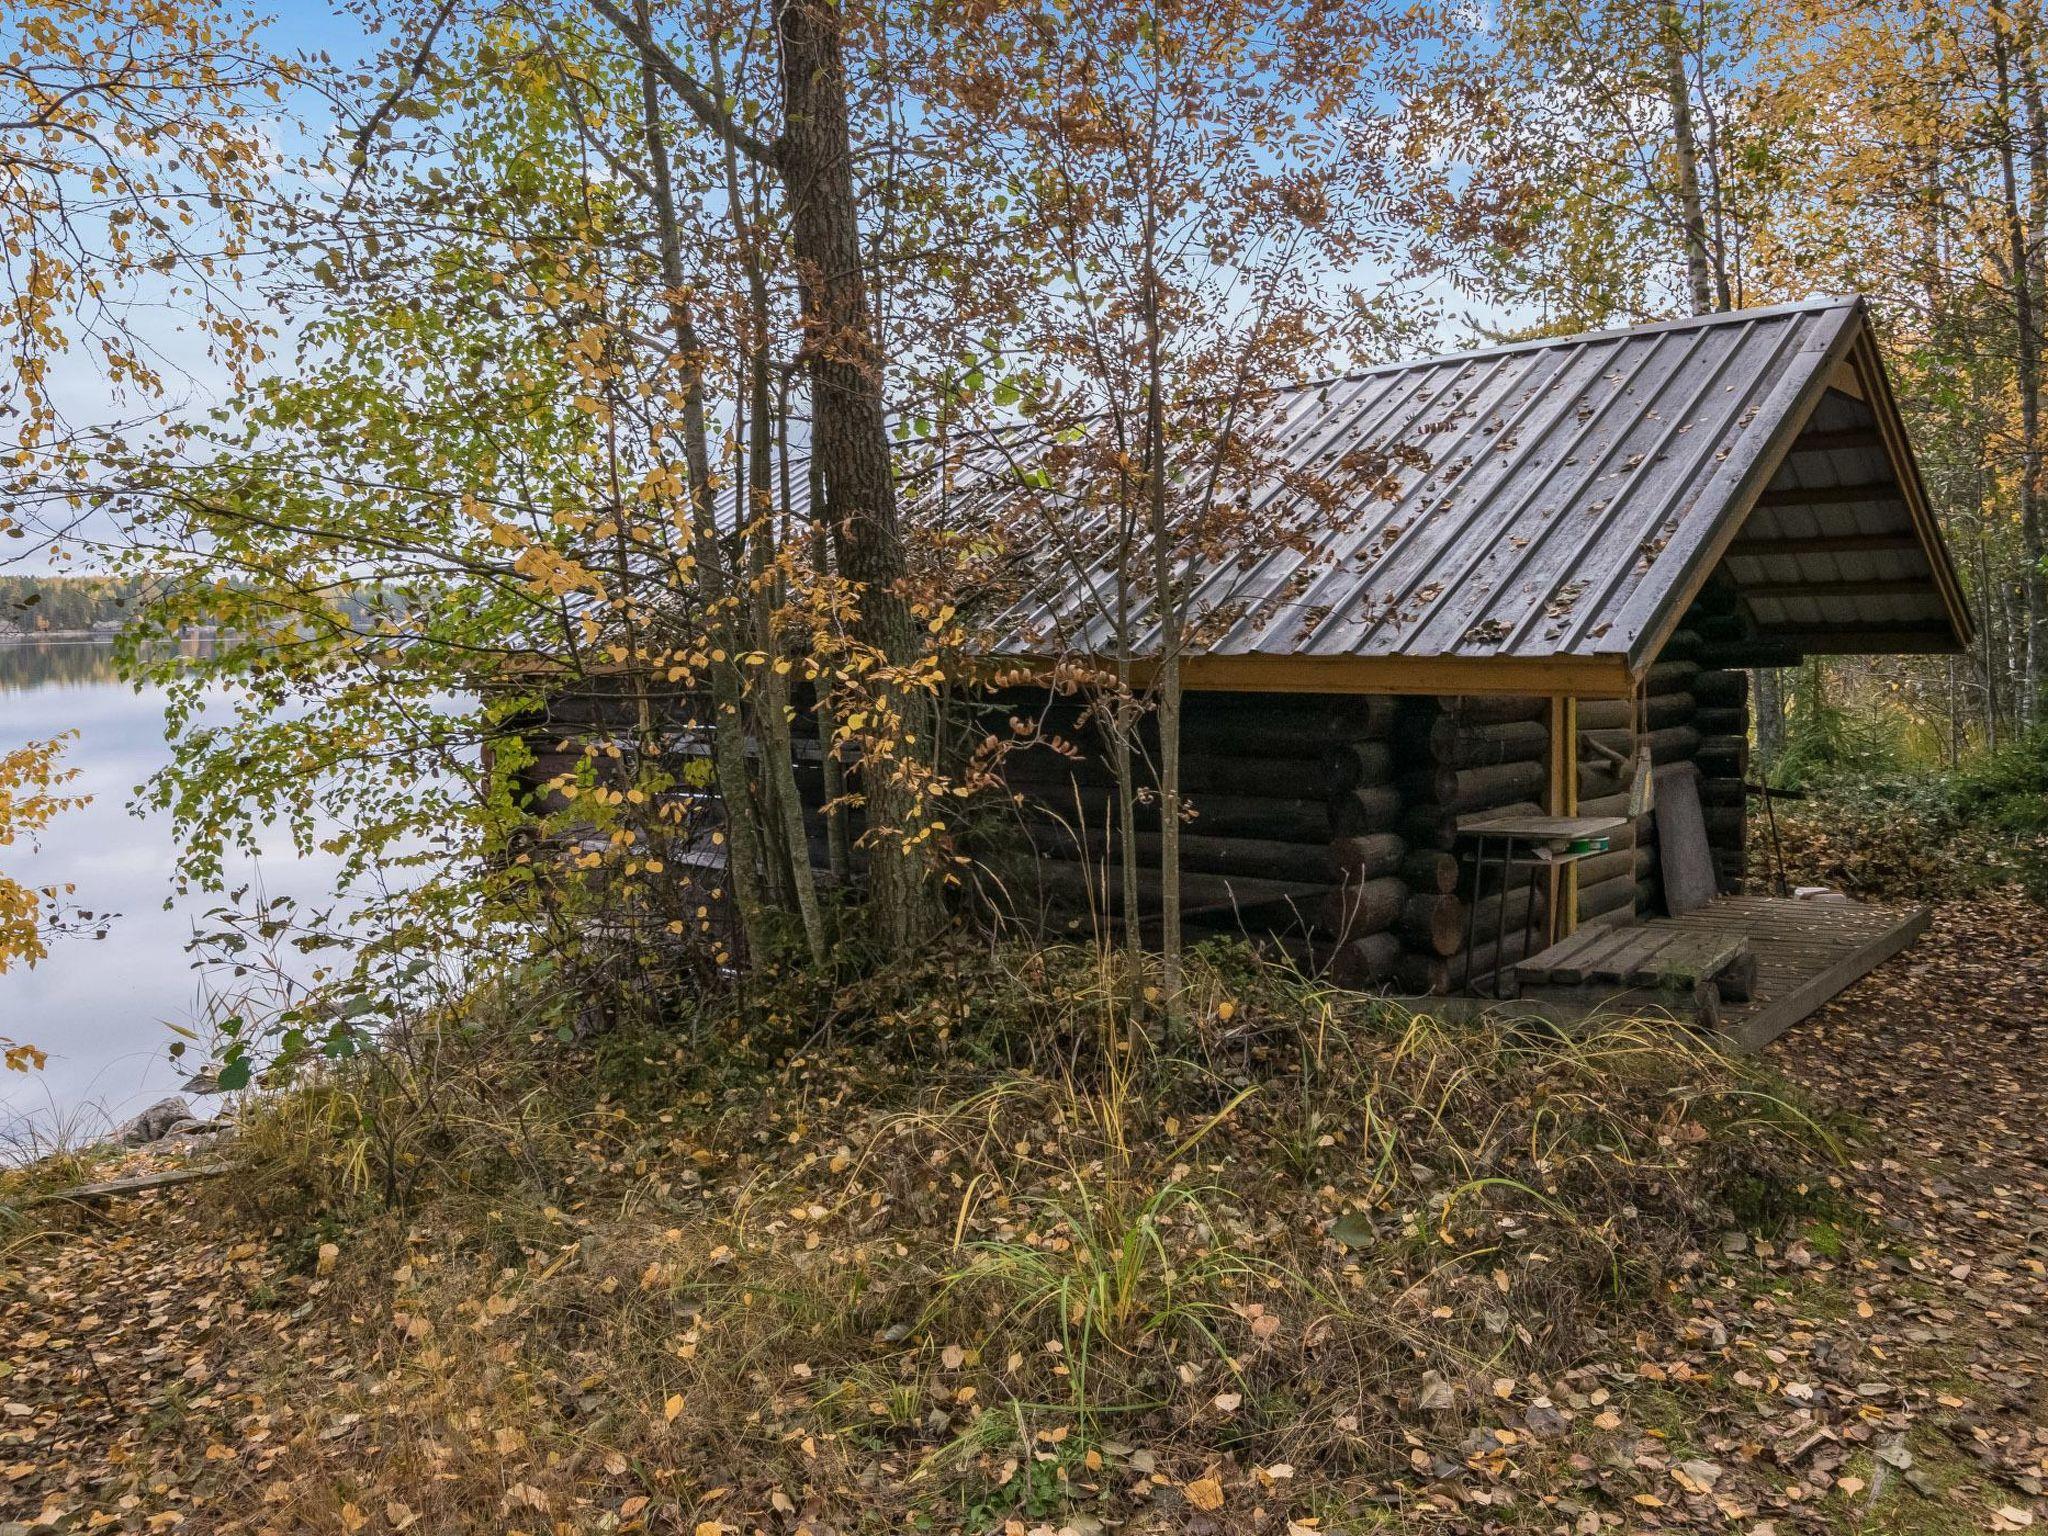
{"points": [[196, 1360]]}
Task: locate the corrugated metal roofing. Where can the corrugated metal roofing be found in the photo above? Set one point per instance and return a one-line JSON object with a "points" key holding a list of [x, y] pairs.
{"points": [[1547, 499]]}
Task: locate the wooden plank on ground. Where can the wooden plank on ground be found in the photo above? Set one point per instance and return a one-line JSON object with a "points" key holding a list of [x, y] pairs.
{"points": [[1685, 859], [1778, 1014], [131, 1184]]}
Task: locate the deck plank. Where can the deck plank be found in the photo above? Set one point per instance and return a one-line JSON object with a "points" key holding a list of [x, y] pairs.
{"points": [[1806, 953]]}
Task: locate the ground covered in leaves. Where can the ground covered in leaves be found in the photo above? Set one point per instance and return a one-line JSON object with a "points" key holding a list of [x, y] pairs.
{"points": [[960, 1266]]}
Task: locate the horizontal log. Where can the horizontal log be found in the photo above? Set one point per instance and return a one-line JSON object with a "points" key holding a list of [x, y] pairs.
{"points": [[1367, 856], [1436, 826], [1364, 962], [1477, 789], [1430, 872], [1354, 763], [1203, 853], [1478, 708], [1716, 686], [1607, 895], [1366, 809], [1354, 910], [1279, 819], [1673, 744], [1616, 714], [1683, 645], [1043, 773], [1432, 923], [1103, 886], [1283, 725], [1491, 917], [1722, 720], [1670, 677], [1455, 743], [1885, 491], [1428, 975], [1722, 792]]}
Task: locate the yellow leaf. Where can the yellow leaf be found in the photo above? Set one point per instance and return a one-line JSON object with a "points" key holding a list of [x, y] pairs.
{"points": [[672, 1407], [1204, 1493], [324, 1264]]}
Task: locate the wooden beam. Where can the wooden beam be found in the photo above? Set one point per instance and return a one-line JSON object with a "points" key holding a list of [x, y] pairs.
{"points": [[1819, 441], [1823, 544], [1840, 640], [1884, 492], [1907, 586], [1564, 801], [1869, 367]]}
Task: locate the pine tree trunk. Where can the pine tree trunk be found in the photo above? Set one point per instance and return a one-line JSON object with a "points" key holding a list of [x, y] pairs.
{"points": [[849, 437]]}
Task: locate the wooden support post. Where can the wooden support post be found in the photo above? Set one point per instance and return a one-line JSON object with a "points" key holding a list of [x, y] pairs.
{"points": [[1564, 801]]}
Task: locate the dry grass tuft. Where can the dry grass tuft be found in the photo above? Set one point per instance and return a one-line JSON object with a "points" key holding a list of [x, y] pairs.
{"points": [[995, 1245]]}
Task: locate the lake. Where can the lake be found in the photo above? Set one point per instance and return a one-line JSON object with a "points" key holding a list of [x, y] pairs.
{"points": [[102, 1007]]}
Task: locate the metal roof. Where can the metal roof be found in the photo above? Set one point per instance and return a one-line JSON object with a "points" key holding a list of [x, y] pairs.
{"points": [[1550, 499]]}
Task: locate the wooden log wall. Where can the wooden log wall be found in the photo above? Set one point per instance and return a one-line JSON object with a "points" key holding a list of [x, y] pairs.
{"points": [[1464, 757], [1294, 832], [1723, 724]]}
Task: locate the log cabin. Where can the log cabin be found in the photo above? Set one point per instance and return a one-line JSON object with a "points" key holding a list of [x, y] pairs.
{"points": [[1484, 727]]}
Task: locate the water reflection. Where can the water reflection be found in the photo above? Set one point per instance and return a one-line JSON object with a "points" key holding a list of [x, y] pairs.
{"points": [[101, 1008]]}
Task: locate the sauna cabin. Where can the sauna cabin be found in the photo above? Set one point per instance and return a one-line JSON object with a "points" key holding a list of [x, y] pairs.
{"points": [[1546, 622]]}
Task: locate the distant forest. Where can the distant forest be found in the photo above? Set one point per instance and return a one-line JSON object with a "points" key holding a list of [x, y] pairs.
{"points": [[39, 604]]}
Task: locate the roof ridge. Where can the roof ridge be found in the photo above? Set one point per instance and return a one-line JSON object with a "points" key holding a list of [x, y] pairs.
{"points": [[1613, 333]]}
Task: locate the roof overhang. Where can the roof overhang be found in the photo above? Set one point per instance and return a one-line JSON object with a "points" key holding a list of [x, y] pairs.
{"points": [[1581, 676], [1833, 548]]}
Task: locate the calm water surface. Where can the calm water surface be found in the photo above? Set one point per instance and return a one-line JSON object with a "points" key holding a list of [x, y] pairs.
{"points": [[102, 1008]]}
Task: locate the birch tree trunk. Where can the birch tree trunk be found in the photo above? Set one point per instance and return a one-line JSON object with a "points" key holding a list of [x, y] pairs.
{"points": [[728, 739]]}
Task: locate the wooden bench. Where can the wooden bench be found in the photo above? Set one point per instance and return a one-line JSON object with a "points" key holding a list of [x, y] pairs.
{"points": [[1690, 967]]}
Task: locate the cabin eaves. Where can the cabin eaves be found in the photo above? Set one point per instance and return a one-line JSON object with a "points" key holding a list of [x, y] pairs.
{"points": [[1537, 517]]}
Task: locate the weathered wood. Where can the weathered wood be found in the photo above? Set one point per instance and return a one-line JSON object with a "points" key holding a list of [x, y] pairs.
{"points": [[1367, 856], [1455, 743], [1673, 744], [1670, 677], [1430, 872], [1730, 720], [1354, 910], [1494, 708], [129, 1184], [1045, 774], [1198, 892], [1354, 763], [1366, 809], [1616, 714], [1429, 975], [1366, 961], [1477, 789], [1435, 924], [1203, 853], [1718, 687], [1607, 896], [1276, 818]]}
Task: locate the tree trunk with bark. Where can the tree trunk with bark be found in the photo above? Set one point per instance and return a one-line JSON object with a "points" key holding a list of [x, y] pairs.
{"points": [[850, 439]]}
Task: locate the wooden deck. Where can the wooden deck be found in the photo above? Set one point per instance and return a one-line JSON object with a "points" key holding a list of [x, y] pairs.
{"points": [[1806, 953]]}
